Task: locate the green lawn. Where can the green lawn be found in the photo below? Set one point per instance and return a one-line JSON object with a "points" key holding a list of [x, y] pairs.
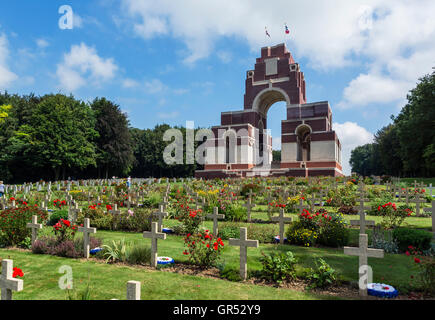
{"points": [[109, 282]]}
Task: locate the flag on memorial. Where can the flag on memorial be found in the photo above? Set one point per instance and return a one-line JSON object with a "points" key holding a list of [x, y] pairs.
{"points": [[267, 33], [287, 31]]}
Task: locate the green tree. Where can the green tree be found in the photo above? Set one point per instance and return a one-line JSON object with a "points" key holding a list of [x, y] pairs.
{"points": [[59, 135], [416, 129], [114, 143]]}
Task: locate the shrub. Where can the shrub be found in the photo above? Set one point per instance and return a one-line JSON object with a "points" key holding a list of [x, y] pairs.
{"points": [[264, 233], [333, 235], [13, 224], [347, 210], [152, 201], [67, 248], [138, 220], [99, 219], [202, 249], [323, 276], [138, 254], [116, 251], [235, 212], [56, 216], [244, 192], [301, 236], [380, 242], [229, 230], [64, 230], [406, 237], [393, 217], [278, 266], [426, 270]]}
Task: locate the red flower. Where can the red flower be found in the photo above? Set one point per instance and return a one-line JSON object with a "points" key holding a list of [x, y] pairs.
{"points": [[407, 253], [17, 273], [417, 260]]}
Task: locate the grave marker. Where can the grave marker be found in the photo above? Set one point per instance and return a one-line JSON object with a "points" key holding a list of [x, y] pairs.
{"points": [[154, 235], [282, 220], [34, 225], [243, 243], [363, 252], [215, 216], [7, 282], [87, 230]]}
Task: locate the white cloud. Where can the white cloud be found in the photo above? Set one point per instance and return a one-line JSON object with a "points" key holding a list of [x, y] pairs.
{"points": [[351, 135], [224, 56], [276, 143], [130, 83], [42, 43], [154, 86], [391, 39], [373, 88], [82, 65], [6, 76], [77, 21]]}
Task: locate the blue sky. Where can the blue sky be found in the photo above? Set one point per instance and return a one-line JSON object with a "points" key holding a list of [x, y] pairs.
{"points": [[173, 61]]}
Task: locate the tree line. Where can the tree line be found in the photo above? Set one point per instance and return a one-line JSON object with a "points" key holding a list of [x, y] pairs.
{"points": [[56, 136], [405, 147]]}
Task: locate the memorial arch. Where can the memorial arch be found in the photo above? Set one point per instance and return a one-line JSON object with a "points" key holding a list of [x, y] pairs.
{"points": [[309, 146]]}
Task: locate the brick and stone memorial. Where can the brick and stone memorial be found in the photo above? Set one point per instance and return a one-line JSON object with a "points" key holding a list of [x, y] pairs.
{"points": [[242, 144]]}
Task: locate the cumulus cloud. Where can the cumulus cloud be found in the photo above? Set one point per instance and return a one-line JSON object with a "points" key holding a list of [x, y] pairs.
{"points": [[42, 43], [82, 65], [391, 39], [154, 86], [6, 76], [351, 135]]}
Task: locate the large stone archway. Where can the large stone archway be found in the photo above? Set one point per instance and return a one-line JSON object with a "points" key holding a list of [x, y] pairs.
{"points": [[276, 77]]}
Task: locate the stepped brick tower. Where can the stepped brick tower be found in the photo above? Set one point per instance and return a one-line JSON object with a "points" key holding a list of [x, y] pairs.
{"points": [[242, 146]]}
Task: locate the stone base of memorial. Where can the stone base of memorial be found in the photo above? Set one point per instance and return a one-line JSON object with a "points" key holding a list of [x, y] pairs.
{"points": [[381, 290]]}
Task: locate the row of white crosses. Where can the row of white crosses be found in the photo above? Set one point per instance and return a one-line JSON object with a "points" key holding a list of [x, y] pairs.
{"points": [[362, 251]]}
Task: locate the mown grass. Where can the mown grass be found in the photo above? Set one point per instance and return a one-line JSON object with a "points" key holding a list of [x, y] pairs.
{"points": [[108, 281]]}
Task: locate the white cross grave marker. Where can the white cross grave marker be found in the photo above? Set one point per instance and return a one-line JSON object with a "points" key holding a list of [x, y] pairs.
{"points": [[243, 243], [249, 206], [282, 220], [363, 252], [215, 216], [7, 282], [362, 222], [87, 230], [160, 214], [154, 235], [34, 225]]}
